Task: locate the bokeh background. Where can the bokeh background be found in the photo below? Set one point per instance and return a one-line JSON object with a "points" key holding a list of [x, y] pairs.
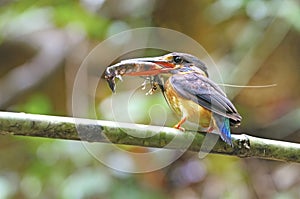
{"points": [[43, 43]]}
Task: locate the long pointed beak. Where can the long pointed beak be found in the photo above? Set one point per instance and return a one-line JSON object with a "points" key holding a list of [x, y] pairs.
{"points": [[145, 66], [136, 67]]}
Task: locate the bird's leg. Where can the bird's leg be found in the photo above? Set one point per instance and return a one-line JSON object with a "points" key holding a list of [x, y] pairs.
{"points": [[178, 125]]}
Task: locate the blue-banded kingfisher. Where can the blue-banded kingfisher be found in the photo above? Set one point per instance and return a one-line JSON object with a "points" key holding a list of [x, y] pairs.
{"points": [[188, 90]]}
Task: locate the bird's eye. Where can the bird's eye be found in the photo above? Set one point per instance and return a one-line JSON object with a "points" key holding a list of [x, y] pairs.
{"points": [[177, 59]]}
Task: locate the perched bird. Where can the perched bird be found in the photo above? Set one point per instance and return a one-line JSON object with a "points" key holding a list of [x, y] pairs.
{"points": [[188, 90]]}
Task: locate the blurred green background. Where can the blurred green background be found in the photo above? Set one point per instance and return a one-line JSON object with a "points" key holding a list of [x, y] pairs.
{"points": [[43, 43]]}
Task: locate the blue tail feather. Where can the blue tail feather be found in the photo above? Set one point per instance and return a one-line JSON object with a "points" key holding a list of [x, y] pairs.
{"points": [[224, 128]]}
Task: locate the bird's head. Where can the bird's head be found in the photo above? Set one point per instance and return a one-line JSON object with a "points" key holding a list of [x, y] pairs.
{"points": [[172, 63], [183, 63], [179, 63]]}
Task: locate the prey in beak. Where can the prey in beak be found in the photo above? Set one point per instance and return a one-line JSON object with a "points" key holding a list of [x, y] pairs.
{"points": [[189, 92], [144, 67], [152, 67]]}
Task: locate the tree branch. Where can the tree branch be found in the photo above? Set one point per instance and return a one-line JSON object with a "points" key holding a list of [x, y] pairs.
{"points": [[147, 136]]}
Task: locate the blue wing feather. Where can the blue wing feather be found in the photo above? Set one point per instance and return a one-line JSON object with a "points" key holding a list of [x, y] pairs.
{"points": [[223, 125]]}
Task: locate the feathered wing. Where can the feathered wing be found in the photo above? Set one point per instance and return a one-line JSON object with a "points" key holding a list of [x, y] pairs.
{"points": [[206, 93]]}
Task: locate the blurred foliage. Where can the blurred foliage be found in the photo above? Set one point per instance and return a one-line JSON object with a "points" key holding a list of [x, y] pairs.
{"points": [[253, 42], [62, 13], [37, 104], [94, 26]]}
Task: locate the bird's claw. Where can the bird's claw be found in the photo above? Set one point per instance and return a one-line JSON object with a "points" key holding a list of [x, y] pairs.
{"points": [[178, 125], [179, 128]]}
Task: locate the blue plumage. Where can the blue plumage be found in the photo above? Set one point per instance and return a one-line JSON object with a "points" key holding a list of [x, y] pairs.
{"points": [[188, 90], [224, 128]]}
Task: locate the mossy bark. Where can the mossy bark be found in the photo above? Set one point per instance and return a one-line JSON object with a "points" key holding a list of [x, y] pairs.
{"points": [[141, 135]]}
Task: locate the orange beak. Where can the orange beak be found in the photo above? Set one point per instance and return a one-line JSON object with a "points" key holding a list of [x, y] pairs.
{"points": [[137, 67]]}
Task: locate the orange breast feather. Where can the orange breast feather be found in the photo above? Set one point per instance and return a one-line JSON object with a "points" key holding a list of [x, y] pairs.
{"points": [[187, 108]]}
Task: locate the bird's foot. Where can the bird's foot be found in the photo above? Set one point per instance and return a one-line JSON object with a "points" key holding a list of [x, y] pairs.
{"points": [[210, 129], [178, 125]]}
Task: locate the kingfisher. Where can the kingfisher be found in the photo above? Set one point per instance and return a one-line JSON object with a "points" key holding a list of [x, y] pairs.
{"points": [[185, 84]]}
